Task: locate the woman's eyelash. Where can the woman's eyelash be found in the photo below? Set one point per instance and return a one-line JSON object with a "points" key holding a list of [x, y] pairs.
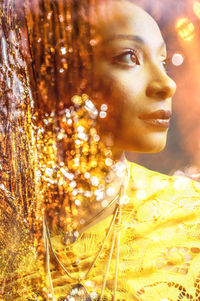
{"points": [[166, 62], [130, 58], [131, 55]]}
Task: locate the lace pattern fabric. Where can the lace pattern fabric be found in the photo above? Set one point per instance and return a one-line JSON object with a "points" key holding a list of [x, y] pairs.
{"points": [[159, 246]]}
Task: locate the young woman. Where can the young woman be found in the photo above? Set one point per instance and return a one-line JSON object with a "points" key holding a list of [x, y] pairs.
{"points": [[106, 229]]}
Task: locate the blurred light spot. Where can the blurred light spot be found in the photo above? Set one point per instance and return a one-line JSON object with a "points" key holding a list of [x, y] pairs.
{"points": [[177, 59], [93, 295], [104, 203], [185, 29], [93, 42], [124, 200], [87, 175], [80, 129], [102, 114], [89, 283], [49, 171], [104, 107], [77, 202], [96, 138], [141, 194], [63, 50], [196, 8], [69, 121], [72, 184], [110, 191], [109, 162], [99, 194], [61, 19], [77, 142], [75, 192], [95, 181]]}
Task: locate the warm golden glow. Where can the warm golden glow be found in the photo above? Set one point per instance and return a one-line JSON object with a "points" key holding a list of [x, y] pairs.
{"points": [[196, 8], [185, 29]]}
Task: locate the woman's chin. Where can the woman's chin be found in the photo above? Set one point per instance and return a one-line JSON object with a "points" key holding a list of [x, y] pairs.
{"points": [[155, 145]]}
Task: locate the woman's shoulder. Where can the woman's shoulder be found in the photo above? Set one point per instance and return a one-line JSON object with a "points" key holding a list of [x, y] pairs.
{"points": [[144, 178], [155, 195]]}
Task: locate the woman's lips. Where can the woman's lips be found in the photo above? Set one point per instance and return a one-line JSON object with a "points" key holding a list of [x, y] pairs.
{"points": [[158, 122], [160, 118]]}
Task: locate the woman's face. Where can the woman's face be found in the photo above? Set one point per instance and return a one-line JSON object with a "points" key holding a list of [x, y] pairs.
{"points": [[129, 69]]}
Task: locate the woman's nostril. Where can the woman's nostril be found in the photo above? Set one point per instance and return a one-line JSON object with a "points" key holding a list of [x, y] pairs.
{"points": [[161, 90], [164, 93]]}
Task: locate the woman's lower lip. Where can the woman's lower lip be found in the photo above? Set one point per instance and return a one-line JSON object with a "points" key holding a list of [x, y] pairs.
{"points": [[164, 123]]}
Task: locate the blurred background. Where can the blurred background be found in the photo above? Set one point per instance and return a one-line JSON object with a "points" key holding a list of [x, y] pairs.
{"points": [[180, 25]]}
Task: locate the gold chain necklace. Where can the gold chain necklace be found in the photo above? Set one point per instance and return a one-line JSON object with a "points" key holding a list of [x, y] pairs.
{"points": [[79, 289], [78, 292]]}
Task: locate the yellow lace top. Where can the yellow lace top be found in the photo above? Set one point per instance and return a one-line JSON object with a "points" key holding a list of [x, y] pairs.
{"points": [[159, 247]]}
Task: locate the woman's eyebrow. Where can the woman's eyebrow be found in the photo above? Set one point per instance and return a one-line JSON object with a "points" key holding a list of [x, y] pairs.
{"points": [[125, 37], [134, 38]]}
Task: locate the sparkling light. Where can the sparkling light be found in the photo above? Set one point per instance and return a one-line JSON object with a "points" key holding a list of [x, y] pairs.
{"points": [[104, 203], [104, 107], [102, 114], [67, 113], [63, 50], [185, 29], [94, 181], [96, 138], [87, 175], [72, 184], [77, 142], [99, 194], [196, 9], [49, 171], [68, 175], [110, 191], [177, 59], [77, 202], [89, 283], [125, 200], [93, 295], [69, 121], [80, 129], [82, 136], [109, 162], [141, 194], [75, 192]]}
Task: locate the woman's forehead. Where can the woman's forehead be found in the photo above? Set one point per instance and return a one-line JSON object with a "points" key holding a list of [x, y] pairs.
{"points": [[114, 18]]}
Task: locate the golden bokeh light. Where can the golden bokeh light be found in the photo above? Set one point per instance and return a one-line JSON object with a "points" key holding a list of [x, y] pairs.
{"points": [[196, 9], [185, 29]]}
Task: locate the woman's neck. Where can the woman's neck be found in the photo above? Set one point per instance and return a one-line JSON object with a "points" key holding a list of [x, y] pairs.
{"points": [[120, 175]]}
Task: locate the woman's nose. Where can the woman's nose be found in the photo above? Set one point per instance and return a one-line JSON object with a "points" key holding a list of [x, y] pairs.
{"points": [[161, 88]]}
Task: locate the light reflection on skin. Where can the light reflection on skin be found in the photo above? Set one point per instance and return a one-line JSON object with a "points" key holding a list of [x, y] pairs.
{"points": [[130, 72]]}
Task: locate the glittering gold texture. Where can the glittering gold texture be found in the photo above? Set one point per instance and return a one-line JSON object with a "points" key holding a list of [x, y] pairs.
{"points": [[54, 163]]}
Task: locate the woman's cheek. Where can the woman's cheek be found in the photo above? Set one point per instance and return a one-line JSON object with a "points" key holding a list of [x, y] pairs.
{"points": [[119, 86], [127, 83]]}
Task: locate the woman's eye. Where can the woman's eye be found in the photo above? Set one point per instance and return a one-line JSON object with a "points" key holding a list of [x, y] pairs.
{"points": [[164, 63], [129, 58]]}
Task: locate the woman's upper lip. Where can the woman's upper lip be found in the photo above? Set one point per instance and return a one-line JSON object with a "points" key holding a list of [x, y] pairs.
{"points": [[159, 114]]}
